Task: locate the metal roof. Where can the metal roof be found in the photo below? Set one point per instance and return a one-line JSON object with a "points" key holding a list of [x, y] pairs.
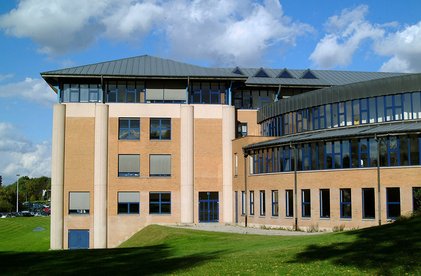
{"points": [[354, 131]]}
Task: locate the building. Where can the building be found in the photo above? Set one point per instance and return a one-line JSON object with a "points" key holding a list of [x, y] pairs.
{"points": [[149, 140]]}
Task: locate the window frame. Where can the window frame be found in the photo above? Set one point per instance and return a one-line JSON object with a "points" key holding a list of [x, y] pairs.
{"points": [[344, 204], [275, 203], [160, 203], [305, 203], [129, 128], [160, 129], [129, 204]]}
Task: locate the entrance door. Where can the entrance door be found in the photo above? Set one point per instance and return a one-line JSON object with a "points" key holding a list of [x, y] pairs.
{"points": [[208, 207], [78, 239]]}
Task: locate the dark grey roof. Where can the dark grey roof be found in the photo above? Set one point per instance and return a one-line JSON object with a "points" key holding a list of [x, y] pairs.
{"points": [[143, 66], [355, 131], [372, 88]]}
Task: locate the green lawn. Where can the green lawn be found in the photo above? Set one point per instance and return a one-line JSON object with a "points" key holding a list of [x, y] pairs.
{"points": [[390, 249]]}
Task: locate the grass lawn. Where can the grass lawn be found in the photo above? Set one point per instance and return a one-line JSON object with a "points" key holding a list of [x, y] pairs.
{"points": [[389, 249]]}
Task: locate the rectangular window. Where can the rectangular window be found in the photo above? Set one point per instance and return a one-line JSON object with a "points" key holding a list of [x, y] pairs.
{"points": [[251, 203], [345, 201], [160, 129], [289, 203], [324, 203], [414, 149], [159, 203], [128, 128], [275, 203], [416, 199], [128, 203], [262, 203], [305, 203], [243, 202], [368, 203], [79, 203], [129, 165], [241, 129], [160, 165], [393, 202]]}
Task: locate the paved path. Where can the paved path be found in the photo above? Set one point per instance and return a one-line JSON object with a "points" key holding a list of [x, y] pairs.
{"points": [[216, 227]]}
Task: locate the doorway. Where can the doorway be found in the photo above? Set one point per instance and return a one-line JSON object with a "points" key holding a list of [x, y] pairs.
{"points": [[208, 207]]}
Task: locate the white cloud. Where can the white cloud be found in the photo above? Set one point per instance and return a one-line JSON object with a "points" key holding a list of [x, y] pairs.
{"points": [[345, 34], [404, 48], [5, 77], [34, 90], [20, 156], [237, 31]]}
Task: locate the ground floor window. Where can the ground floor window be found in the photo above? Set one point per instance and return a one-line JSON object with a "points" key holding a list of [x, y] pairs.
{"points": [[368, 203], [243, 202], [289, 203], [416, 198], [128, 203], [324, 203], [159, 203], [305, 203], [346, 207], [275, 203], [251, 203], [79, 203], [393, 202], [262, 203]]}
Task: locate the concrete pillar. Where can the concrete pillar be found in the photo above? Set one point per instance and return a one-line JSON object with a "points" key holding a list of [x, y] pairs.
{"points": [[57, 176], [228, 134], [100, 176], [186, 163]]}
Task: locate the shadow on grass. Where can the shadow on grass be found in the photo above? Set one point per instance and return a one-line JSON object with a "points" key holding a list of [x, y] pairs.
{"points": [[387, 249], [143, 261]]}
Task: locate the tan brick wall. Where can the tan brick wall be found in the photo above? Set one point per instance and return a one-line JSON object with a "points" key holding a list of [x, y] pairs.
{"points": [[249, 117]]}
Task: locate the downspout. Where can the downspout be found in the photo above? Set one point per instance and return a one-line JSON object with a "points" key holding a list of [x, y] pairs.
{"points": [[278, 94], [103, 89], [295, 187], [377, 139], [58, 94], [187, 89], [229, 95], [245, 187]]}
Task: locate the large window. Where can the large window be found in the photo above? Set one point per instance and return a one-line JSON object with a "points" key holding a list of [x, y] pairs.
{"points": [[243, 202], [289, 203], [83, 93], [125, 91], [345, 203], [129, 165], [305, 203], [262, 203], [128, 203], [79, 203], [393, 202], [251, 203], [324, 203], [159, 203], [416, 199], [275, 203], [368, 203], [129, 129], [160, 129], [160, 165]]}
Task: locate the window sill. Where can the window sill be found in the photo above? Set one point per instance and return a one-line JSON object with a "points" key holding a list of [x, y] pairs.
{"points": [[368, 219], [324, 218], [345, 219], [79, 215], [125, 214], [156, 214], [306, 218]]}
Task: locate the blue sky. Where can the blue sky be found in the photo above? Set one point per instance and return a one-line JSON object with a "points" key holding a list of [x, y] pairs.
{"points": [[42, 35]]}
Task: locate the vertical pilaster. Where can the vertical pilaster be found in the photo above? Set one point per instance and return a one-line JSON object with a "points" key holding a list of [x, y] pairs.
{"points": [[57, 177], [186, 163], [228, 134], [100, 176]]}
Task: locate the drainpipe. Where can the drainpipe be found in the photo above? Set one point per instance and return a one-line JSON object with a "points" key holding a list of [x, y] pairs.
{"points": [[245, 188], [187, 90], [58, 94], [377, 139], [103, 89], [229, 95], [295, 187]]}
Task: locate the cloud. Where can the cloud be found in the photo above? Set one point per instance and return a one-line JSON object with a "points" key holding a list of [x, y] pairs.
{"points": [[346, 32], [404, 49], [5, 77], [20, 156], [34, 90], [237, 31]]}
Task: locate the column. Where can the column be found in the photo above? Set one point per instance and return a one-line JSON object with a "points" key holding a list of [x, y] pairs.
{"points": [[228, 134]]}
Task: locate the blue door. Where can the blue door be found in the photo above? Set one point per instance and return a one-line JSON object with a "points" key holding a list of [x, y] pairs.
{"points": [[78, 239], [208, 207]]}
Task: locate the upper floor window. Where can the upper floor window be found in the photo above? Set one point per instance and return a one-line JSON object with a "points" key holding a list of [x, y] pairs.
{"points": [[125, 91], [81, 93], [160, 165], [79, 203], [241, 129], [129, 129], [160, 129], [128, 203], [129, 165]]}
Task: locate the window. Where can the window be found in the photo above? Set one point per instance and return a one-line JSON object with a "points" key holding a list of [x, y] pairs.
{"points": [[289, 203], [324, 203], [160, 129], [275, 203], [416, 199], [129, 165], [160, 165], [305, 203], [262, 203], [393, 202], [368, 203], [159, 203], [129, 129], [345, 196], [241, 129], [128, 203], [79, 203], [243, 202], [251, 203]]}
